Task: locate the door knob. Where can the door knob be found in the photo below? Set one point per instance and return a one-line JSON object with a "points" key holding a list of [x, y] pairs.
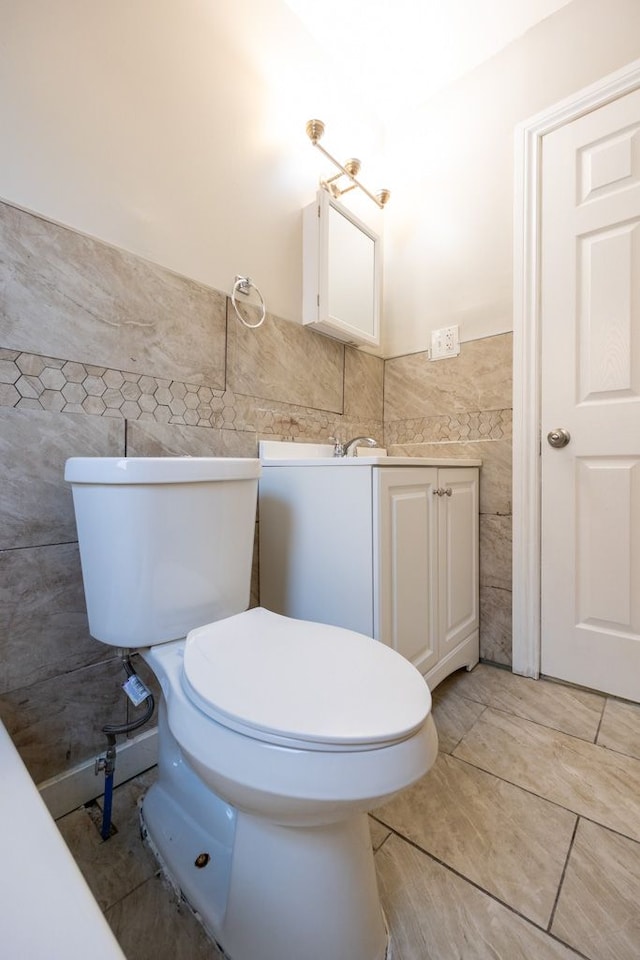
{"points": [[558, 437]]}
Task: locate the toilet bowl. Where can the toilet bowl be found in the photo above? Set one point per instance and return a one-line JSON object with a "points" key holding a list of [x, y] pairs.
{"points": [[276, 736]]}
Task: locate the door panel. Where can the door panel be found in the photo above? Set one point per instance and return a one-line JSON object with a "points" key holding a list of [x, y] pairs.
{"points": [[590, 385], [607, 497], [607, 317]]}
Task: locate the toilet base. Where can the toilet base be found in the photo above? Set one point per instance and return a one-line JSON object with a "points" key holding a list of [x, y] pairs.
{"points": [[264, 891], [303, 893]]}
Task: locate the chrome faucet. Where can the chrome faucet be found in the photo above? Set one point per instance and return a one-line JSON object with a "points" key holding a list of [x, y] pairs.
{"points": [[348, 448]]}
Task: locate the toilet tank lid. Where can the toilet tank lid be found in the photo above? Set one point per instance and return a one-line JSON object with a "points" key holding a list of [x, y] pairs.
{"points": [[130, 470]]}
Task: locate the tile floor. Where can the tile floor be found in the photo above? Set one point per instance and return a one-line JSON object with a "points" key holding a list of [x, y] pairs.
{"points": [[522, 842]]}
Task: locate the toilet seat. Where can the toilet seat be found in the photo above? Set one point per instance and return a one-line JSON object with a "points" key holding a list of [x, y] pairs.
{"points": [[301, 684]]}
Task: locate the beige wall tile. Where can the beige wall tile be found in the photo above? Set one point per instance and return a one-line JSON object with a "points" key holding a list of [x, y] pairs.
{"points": [[496, 476], [57, 723], [479, 379], [285, 361], [363, 385], [496, 631], [43, 619], [495, 551], [147, 439], [598, 906], [35, 502], [68, 295]]}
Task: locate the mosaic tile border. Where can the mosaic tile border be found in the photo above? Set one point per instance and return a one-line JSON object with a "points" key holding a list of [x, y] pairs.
{"points": [[477, 425], [31, 381]]}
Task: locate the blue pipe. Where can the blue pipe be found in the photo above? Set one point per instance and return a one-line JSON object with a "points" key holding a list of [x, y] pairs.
{"points": [[108, 801], [109, 766]]}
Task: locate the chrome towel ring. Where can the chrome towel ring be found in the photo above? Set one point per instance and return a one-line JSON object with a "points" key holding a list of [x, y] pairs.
{"points": [[243, 285]]}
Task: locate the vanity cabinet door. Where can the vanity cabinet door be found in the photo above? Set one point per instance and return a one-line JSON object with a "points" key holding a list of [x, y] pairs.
{"points": [[458, 519], [405, 562], [426, 566]]}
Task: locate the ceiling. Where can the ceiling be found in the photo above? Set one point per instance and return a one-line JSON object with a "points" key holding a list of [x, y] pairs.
{"points": [[401, 52]]}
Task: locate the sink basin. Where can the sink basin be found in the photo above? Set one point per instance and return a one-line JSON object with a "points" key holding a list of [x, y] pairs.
{"points": [[286, 453]]}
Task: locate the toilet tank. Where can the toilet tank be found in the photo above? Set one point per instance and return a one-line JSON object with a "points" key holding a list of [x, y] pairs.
{"points": [[166, 543]]}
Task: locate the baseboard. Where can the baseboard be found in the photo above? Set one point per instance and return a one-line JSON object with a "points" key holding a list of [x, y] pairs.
{"points": [[73, 788]]}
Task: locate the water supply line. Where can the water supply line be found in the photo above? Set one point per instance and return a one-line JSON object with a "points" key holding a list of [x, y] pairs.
{"points": [[138, 693]]}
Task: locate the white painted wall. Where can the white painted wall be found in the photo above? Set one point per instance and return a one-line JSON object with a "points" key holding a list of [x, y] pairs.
{"points": [[449, 235], [176, 131]]}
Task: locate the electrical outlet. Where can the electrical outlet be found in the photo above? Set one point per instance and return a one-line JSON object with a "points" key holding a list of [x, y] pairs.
{"points": [[445, 343]]}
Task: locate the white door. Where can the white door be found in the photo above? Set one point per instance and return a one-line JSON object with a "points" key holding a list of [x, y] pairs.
{"points": [[590, 387]]}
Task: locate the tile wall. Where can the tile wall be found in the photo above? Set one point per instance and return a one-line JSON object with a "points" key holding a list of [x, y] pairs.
{"points": [[105, 354], [462, 407]]}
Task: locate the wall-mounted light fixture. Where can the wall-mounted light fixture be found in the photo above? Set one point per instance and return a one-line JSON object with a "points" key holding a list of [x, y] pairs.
{"points": [[350, 168]]}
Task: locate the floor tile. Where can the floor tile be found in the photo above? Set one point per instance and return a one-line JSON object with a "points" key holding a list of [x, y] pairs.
{"points": [[435, 914], [598, 909], [572, 711], [379, 833], [115, 867], [597, 783], [620, 728], [486, 829], [151, 924], [454, 716]]}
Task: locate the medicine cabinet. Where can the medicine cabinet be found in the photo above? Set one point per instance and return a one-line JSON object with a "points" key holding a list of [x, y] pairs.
{"points": [[342, 273]]}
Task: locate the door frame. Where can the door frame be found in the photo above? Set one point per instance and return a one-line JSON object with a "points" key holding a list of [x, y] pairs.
{"points": [[527, 437]]}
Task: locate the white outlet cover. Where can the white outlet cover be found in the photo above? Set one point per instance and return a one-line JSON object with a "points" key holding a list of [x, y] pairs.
{"points": [[445, 343]]}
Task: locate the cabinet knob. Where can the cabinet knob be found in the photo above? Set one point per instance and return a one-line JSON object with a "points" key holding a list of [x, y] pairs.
{"points": [[443, 491]]}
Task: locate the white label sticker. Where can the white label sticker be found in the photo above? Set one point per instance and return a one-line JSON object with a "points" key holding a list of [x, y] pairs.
{"points": [[136, 690]]}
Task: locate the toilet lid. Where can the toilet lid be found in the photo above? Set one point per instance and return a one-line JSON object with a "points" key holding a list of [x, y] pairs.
{"points": [[292, 681]]}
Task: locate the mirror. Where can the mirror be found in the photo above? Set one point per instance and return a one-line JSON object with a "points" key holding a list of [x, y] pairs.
{"points": [[341, 273]]}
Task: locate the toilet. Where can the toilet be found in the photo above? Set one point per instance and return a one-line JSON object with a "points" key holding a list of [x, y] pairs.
{"points": [[276, 736]]}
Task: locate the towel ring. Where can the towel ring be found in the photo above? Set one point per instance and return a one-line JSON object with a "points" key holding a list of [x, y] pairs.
{"points": [[243, 285]]}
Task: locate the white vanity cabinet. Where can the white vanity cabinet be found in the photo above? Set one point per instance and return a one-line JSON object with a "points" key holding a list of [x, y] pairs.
{"points": [[385, 546]]}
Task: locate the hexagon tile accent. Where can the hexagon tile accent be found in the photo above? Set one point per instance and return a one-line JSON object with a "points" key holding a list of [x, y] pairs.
{"points": [[477, 425], [29, 381], [65, 386]]}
